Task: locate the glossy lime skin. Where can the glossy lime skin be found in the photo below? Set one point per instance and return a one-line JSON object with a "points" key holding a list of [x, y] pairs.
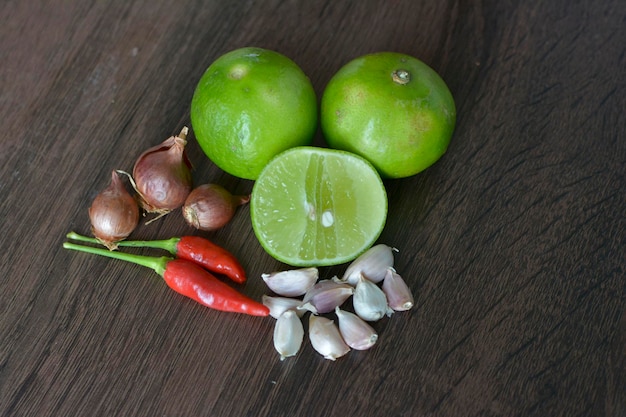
{"points": [[401, 128], [250, 105]]}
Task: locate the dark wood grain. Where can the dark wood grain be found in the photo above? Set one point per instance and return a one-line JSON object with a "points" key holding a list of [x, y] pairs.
{"points": [[513, 242]]}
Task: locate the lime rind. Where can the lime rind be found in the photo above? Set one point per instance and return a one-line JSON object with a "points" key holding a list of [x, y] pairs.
{"points": [[315, 206], [401, 128], [250, 105]]}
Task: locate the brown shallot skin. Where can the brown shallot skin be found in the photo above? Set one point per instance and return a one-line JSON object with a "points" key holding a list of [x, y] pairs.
{"points": [[162, 175], [210, 206], [114, 213]]}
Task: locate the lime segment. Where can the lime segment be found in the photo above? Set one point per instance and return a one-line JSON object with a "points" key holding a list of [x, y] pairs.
{"points": [[314, 207]]}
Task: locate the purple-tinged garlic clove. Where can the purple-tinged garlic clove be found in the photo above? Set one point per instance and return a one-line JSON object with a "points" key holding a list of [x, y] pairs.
{"points": [[325, 295], [355, 331], [399, 295]]}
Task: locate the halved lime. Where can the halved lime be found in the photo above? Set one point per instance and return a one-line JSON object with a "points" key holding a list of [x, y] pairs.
{"points": [[314, 206]]}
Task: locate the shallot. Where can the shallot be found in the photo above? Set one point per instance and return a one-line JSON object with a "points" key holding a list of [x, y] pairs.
{"points": [[162, 175], [211, 206], [114, 213]]}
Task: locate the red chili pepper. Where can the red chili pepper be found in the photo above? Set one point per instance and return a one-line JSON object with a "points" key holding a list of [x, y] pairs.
{"points": [[188, 279], [214, 258], [193, 248]]}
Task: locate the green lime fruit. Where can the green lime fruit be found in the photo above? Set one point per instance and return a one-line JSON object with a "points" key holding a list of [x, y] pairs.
{"points": [[250, 105], [314, 207], [390, 108]]}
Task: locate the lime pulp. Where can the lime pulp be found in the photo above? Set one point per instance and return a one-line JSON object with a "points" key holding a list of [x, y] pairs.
{"points": [[314, 206]]}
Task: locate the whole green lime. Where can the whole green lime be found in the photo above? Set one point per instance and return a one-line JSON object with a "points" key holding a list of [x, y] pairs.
{"points": [[250, 105], [390, 108]]}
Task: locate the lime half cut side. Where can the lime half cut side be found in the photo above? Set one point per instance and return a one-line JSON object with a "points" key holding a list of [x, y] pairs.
{"points": [[315, 207]]}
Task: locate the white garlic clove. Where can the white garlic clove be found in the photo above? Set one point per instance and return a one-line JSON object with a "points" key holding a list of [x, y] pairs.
{"points": [[325, 295], [355, 331], [278, 305], [399, 296], [291, 283], [373, 264], [369, 301], [325, 338], [288, 334]]}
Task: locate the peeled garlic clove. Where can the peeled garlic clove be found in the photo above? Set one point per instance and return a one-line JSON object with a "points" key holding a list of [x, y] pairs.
{"points": [[327, 294], [370, 302], [288, 334], [355, 331], [278, 305], [398, 294], [325, 338], [291, 283], [373, 264]]}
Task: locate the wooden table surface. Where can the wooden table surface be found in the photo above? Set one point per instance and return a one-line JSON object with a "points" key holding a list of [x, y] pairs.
{"points": [[513, 243]]}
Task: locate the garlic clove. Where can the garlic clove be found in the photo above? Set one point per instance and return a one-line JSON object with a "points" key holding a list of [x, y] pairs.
{"points": [[369, 301], [355, 331], [325, 338], [291, 283], [398, 294], [288, 334], [325, 295], [373, 264], [278, 305]]}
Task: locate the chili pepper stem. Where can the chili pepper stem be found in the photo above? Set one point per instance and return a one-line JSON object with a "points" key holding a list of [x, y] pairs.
{"points": [[158, 264], [192, 248], [166, 244]]}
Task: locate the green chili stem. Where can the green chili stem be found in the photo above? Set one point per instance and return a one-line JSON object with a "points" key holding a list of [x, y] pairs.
{"points": [[167, 244], [158, 264]]}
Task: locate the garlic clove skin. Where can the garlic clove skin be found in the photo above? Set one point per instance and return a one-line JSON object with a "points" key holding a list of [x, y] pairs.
{"points": [[369, 301], [288, 334], [291, 283], [278, 305], [355, 331], [325, 295], [373, 264], [325, 338], [399, 295]]}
